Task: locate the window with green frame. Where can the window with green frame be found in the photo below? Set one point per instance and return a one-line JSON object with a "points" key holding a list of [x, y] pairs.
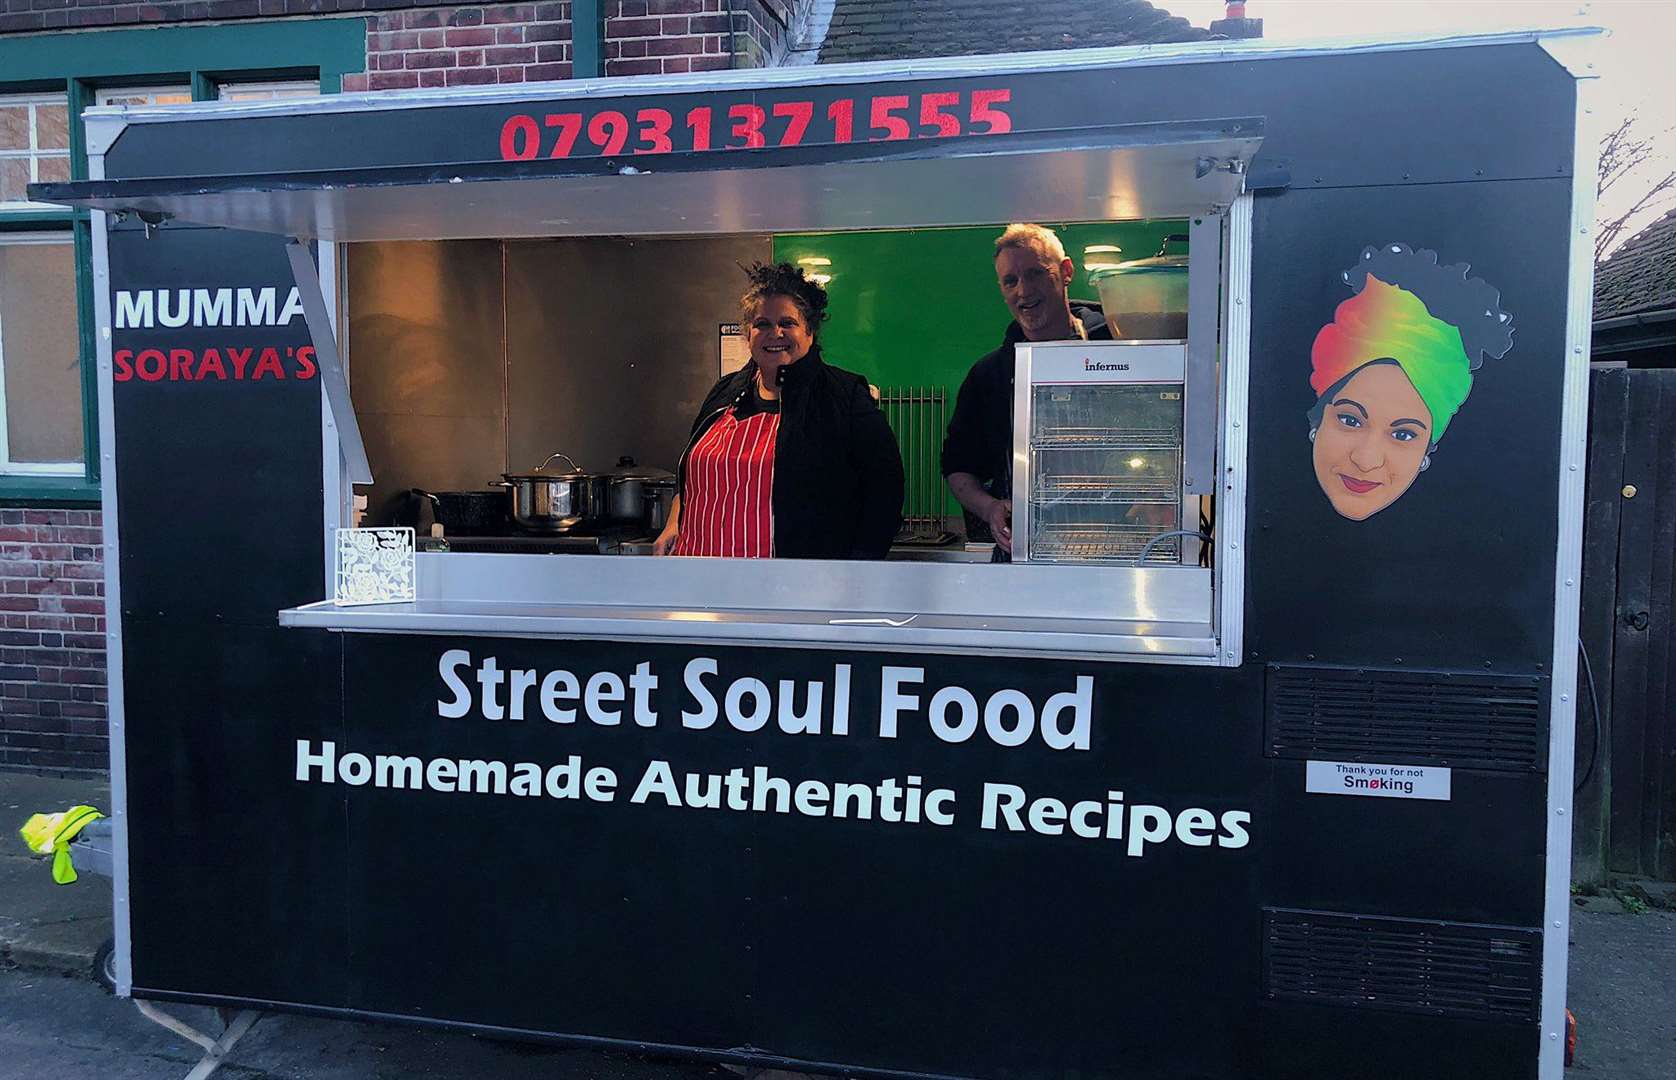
{"points": [[49, 432]]}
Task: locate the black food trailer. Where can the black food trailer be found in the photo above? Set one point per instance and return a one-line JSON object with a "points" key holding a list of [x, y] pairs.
{"points": [[1284, 795]]}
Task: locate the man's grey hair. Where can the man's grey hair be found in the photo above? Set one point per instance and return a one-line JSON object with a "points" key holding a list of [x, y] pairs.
{"points": [[1037, 238]]}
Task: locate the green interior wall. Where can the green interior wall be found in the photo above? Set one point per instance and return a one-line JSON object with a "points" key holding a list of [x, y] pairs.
{"points": [[916, 307]]}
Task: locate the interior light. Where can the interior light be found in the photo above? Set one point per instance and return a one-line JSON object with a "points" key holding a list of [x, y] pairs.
{"points": [[1102, 249], [820, 279], [814, 260], [1100, 264], [1137, 462]]}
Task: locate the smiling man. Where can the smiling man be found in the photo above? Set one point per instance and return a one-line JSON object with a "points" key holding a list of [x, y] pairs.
{"points": [[1034, 275]]}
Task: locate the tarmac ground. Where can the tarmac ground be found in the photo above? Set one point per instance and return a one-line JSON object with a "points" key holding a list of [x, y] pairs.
{"points": [[56, 1021]]}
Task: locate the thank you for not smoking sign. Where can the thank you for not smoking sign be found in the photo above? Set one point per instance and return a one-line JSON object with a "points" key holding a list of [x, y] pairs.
{"points": [[1377, 781]]}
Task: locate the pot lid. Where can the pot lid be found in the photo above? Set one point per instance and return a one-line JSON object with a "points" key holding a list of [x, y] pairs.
{"points": [[626, 469], [542, 472]]}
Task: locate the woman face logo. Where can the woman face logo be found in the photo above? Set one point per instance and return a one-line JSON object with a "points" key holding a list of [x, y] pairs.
{"points": [[1372, 441]]}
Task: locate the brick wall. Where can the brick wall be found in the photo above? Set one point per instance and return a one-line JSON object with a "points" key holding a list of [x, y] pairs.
{"points": [[52, 641], [465, 46]]}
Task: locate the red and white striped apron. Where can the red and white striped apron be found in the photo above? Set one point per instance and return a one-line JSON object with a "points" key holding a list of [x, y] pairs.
{"points": [[727, 500]]}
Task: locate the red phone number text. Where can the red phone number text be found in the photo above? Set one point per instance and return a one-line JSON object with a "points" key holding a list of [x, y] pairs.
{"points": [[747, 126]]}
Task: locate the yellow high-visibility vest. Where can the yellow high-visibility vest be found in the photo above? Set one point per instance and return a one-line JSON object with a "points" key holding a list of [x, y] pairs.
{"points": [[50, 834]]}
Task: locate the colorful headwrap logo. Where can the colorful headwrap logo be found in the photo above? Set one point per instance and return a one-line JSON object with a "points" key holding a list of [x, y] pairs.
{"points": [[1392, 369]]}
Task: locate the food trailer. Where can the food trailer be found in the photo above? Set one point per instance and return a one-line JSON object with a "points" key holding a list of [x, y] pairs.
{"points": [[1278, 792]]}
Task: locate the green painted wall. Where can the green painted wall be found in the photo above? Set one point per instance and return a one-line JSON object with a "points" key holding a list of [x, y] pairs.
{"points": [[917, 307]]}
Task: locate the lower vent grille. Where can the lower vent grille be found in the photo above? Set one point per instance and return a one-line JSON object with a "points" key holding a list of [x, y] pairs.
{"points": [[1467, 970], [1464, 720]]}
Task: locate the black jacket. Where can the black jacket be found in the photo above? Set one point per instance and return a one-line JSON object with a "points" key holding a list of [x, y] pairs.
{"points": [[980, 438], [837, 470]]}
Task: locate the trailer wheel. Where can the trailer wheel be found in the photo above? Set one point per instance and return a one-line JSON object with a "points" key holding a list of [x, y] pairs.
{"points": [[104, 965]]}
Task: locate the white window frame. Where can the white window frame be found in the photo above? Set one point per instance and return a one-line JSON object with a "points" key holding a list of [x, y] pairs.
{"points": [[108, 94], [9, 467], [33, 153], [290, 88]]}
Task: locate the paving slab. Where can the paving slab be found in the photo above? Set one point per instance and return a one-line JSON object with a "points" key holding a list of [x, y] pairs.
{"points": [[43, 925]]}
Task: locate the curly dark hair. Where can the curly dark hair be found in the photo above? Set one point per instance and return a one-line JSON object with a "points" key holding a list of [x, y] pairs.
{"points": [[784, 279], [1471, 305]]}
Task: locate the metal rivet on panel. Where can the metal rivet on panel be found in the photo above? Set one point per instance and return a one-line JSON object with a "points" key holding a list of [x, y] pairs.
{"points": [[1560, 811], [1629, 491]]}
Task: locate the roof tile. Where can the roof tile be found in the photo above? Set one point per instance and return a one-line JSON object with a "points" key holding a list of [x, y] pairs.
{"points": [[901, 29], [1641, 275]]}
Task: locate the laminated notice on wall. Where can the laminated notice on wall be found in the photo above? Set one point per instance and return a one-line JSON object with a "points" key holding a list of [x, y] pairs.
{"points": [[731, 348], [1378, 781], [375, 566]]}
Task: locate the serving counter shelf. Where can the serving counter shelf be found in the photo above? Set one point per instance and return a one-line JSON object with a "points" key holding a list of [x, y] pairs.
{"points": [[1110, 612]]}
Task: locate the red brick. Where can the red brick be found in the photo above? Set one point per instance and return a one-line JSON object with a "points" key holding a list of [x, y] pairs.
{"points": [[710, 24], [433, 39], [392, 80], [78, 606], [546, 72], [712, 63], [470, 76], [19, 533], [676, 64], [549, 32], [550, 54], [466, 17], [469, 58], [552, 13], [433, 77], [628, 28], [19, 603], [398, 42], [419, 20], [354, 84], [513, 35], [678, 25], [476, 35], [630, 8], [509, 13], [510, 54], [634, 67], [680, 46], [510, 74], [674, 7], [633, 48], [387, 62], [413, 61]]}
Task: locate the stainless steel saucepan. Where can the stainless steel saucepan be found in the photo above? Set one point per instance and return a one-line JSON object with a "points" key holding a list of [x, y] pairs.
{"points": [[556, 501]]}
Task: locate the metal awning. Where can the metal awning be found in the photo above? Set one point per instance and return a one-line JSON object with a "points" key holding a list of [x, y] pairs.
{"points": [[1083, 174]]}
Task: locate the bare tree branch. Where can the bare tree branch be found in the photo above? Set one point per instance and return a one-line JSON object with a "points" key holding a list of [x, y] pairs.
{"points": [[1623, 153]]}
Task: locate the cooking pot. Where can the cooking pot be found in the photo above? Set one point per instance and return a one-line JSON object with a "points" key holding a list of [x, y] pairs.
{"points": [[555, 502], [630, 491], [466, 513], [1146, 299]]}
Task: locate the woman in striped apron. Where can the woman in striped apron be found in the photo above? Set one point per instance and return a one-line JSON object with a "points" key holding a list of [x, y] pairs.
{"points": [[789, 457]]}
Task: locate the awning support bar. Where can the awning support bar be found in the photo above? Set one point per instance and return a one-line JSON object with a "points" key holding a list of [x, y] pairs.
{"points": [[332, 374]]}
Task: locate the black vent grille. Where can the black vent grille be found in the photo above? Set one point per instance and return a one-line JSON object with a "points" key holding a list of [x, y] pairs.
{"points": [[1465, 720], [1466, 970]]}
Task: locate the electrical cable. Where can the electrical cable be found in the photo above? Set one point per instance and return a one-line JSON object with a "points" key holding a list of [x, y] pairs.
{"points": [[1594, 711]]}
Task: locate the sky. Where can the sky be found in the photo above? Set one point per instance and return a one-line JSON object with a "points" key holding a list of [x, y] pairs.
{"points": [[1635, 61]]}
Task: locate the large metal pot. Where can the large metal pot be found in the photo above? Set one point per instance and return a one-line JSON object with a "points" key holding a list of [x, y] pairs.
{"points": [[555, 502], [630, 491]]}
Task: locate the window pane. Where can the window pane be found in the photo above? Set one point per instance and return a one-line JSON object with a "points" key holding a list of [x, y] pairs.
{"points": [[14, 179], [50, 169], [267, 91], [14, 127], [39, 352], [52, 127]]}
